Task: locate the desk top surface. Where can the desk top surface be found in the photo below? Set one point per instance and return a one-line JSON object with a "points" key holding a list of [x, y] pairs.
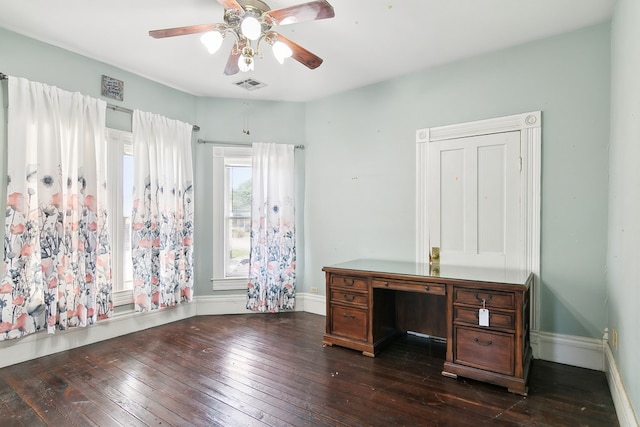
{"points": [[478, 274]]}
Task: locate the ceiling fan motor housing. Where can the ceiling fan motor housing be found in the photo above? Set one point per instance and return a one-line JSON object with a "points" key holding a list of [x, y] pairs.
{"points": [[254, 8]]}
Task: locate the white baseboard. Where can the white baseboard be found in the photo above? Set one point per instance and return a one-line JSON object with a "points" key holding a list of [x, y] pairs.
{"points": [[621, 401], [211, 305], [568, 349], [236, 304], [43, 344], [314, 303], [587, 353]]}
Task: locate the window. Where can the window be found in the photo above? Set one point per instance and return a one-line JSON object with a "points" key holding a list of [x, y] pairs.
{"points": [[237, 208], [120, 184], [231, 217]]}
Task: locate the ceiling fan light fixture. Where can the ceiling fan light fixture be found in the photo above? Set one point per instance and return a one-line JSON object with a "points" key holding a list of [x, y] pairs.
{"points": [[250, 22], [281, 51], [212, 40], [245, 63], [251, 28]]}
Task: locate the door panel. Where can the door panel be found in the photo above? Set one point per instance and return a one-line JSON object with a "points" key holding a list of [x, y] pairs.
{"points": [[474, 199], [451, 197]]}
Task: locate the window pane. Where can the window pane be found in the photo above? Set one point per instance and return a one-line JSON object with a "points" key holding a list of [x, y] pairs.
{"points": [[238, 221], [240, 187], [127, 205], [237, 263]]}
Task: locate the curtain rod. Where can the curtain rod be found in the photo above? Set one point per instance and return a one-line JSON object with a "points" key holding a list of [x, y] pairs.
{"points": [[237, 144], [196, 128]]}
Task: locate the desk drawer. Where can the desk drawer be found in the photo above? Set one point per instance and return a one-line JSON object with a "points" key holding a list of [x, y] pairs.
{"points": [[491, 351], [348, 297], [350, 282], [421, 287], [469, 316], [349, 322], [493, 299]]}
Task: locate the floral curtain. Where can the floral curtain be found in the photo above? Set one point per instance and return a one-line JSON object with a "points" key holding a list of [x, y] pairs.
{"points": [[57, 268], [272, 266], [162, 218]]}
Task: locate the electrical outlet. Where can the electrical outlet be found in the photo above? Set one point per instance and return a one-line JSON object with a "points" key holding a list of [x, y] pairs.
{"points": [[614, 338], [314, 290]]}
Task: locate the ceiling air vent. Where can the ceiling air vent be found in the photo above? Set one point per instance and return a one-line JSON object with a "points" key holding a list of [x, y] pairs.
{"points": [[250, 84]]}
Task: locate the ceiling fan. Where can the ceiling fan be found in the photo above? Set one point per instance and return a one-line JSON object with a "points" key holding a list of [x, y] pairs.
{"points": [[252, 21]]}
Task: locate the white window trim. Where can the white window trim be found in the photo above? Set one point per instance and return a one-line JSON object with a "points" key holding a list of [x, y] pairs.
{"points": [[219, 281], [114, 172]]}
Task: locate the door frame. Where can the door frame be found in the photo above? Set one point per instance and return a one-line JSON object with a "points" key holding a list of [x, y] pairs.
{"points": [[530, 127]]}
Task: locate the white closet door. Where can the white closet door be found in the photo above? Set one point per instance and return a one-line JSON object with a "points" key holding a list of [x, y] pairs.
{"points": [[474, 199]]}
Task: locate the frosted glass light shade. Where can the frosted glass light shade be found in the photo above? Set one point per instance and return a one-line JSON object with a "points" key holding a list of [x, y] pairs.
{"points": [[245, 64], [251, 28], [281, 51], [212, 41]]}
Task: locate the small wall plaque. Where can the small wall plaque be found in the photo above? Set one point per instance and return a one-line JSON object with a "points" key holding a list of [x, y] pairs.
{"points": [[112, 88]]}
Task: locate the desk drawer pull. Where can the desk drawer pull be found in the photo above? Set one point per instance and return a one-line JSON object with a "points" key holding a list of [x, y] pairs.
{"points": [[348, 282], [488, 343], [349, 316], [485, 300], [349, 298], [426, 288]]}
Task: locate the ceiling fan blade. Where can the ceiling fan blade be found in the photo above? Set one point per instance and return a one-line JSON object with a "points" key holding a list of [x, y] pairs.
{"points": [[300, 54], [183, 31], [311, 11], [230, 4], [232, 66]]}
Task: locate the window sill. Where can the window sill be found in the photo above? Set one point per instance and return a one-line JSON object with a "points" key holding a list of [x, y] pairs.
{"points": [[122, 298], [229, 284]]}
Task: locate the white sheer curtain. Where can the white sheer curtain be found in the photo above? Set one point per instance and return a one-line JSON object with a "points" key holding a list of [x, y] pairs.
{"points": [[272, 267], [57, 268], [162, 218]]}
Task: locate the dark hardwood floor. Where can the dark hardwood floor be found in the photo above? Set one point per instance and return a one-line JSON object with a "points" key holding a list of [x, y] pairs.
{"points": [[254, 370]]}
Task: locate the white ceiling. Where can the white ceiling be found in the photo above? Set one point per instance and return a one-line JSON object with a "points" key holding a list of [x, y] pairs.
{"points": [[368, 40]]}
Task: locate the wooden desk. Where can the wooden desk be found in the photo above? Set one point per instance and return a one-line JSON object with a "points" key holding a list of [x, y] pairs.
{"points": [[371, 301]]}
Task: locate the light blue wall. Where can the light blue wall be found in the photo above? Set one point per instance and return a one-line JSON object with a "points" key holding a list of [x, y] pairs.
{"points": [[359, 166], [624, 197], [360, 189], [219, 119], [224, 120], [41, 62]]}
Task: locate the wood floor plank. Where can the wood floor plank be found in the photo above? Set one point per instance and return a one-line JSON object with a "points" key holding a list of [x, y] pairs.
{"points": [[260, 369], [226, 384], [272, 370], [18, 412], [379, 399], [47, 402]]}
